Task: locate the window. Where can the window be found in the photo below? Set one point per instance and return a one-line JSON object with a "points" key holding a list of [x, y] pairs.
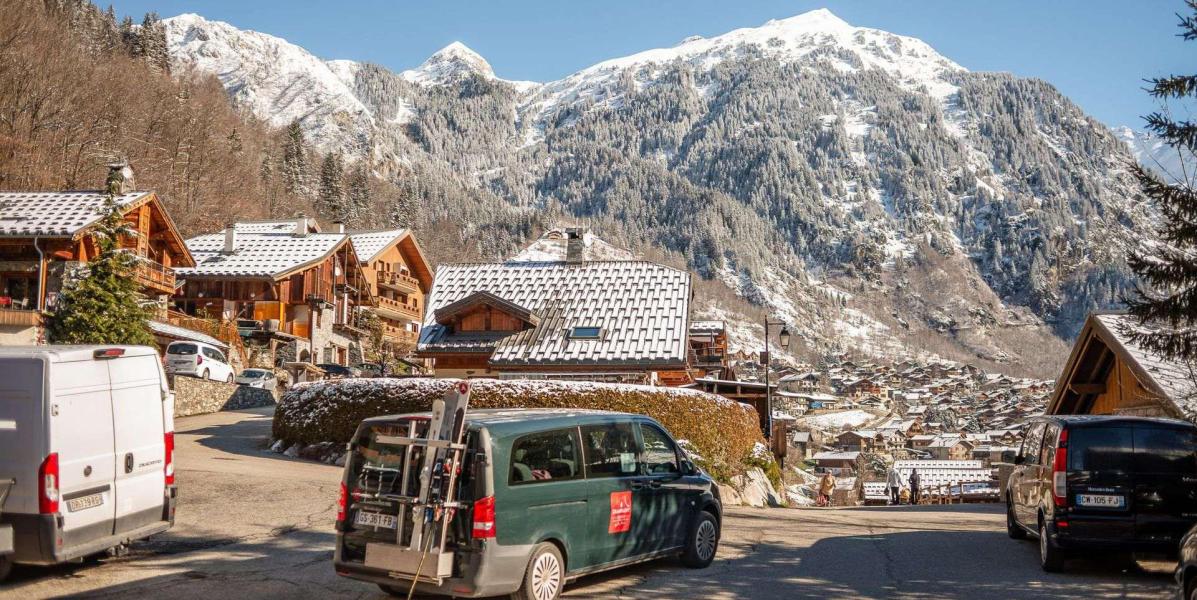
{"points": [[182, 349], [1100, 449], [1031, 444], [660, 455], [586, 333], [1166, 451], [611, 450], [1048, 451], [543, 457]]}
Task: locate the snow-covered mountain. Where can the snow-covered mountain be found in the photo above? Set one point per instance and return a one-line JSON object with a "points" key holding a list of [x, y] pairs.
{"points": [[1173, 164], [870, 191]]}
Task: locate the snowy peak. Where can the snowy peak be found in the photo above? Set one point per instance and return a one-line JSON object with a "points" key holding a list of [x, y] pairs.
{"points": [[449, 65], [1173, 164]]}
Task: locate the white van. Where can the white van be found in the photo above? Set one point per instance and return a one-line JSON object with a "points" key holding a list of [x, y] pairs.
{"points": [[198, 359], [87, 432]]}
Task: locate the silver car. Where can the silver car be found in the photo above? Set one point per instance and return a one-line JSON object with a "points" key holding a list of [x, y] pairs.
{"points": [[258, 378]]}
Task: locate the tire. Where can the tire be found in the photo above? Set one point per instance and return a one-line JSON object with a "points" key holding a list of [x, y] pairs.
{"points": [[545, 576], [1013, 529], [5, 567], [206, 375], [702, 543], [1190, 595], [229, 379], [1051, 558]]}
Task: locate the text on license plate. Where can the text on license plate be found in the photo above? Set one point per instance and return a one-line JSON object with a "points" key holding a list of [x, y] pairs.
{"points": [[1100, 500], [373, 519], [78, 504]]}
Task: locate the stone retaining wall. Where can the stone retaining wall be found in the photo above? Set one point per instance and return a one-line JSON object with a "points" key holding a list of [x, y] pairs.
{"points": [[194, 396]]}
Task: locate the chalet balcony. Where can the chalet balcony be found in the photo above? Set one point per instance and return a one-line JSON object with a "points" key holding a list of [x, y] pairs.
{"points": [[399, 335], [153, 276], [709, 359], [399, 281], [12, 314], [388, 308]]}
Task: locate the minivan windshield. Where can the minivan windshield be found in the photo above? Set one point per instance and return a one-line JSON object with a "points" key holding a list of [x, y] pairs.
{"points": [[253, 374], [184, 349]]}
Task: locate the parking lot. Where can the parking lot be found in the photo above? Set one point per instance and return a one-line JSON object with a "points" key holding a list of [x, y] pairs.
{"points": [[255, 524]]}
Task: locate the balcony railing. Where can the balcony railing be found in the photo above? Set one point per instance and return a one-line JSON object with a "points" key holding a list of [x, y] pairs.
{"points": [[398, 281], [390, 308], [150, 274], [399, 335], [18, 315]]}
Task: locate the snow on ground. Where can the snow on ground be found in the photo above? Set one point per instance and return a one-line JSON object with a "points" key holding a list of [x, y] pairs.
{"points": [[837, 420]]}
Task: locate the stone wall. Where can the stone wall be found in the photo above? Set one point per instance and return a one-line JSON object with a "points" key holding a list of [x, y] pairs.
{"points": [[194, 396]]}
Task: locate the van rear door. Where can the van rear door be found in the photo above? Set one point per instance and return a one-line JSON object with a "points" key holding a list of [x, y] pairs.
{"points": [[23, 443], [81, 434], [1100, 474], [138, 426], [1165, 483]]}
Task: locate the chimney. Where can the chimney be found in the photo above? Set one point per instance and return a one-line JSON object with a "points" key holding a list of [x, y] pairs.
{"points": [[120, 178], [340, 226], [230, 239], [301, 226], [575, 246]]}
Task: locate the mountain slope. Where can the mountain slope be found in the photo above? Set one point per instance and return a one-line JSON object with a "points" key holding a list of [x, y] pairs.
{"points": [[871, 192]]}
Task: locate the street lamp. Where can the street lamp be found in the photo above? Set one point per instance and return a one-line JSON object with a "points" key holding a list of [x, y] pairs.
{"points": [[784, 338]]}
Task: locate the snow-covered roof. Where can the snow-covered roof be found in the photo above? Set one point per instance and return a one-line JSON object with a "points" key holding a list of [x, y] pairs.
{"points": [[275, 226], [707, 327], [258, 254], [641, 308], [837, 456], [182, 333], [368, 244], [54, 214]]}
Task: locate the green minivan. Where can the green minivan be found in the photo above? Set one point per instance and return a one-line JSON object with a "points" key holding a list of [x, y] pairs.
{"points": [[545, 496]]}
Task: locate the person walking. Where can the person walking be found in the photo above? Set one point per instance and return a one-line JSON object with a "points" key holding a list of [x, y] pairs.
{"points": [[914, 486], [893, 480], [826, 488]]}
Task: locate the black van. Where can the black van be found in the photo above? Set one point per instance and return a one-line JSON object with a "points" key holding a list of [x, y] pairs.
{"points": [[1123, 484]]}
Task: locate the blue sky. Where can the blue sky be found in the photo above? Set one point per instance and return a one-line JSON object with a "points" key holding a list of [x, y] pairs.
{"points": [[1096, 51]]}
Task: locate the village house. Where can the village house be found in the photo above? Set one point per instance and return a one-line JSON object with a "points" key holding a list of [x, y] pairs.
{"points": [[807, 381], [708, 348], [288, 286], [950, 447], [45, 235], [837, 463], [1107, 373], [861, 440], [570, 318], [399, 278]]}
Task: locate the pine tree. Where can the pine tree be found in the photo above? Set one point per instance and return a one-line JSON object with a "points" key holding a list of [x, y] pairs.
{"points": [[330, 199], [294, 171], [1165, 299], [151, 43], [102, 304], [357, 200]]}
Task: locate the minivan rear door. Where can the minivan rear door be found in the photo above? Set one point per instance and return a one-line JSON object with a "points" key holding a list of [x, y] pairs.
{"points": [[82, 436], [1165, 483], [1100, 476], [140, 441]]}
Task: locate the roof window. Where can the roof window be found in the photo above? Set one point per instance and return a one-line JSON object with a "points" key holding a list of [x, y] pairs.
{"points": [[585, 333]]}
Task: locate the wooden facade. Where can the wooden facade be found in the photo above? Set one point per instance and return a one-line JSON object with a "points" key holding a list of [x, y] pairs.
{"points": [[399, 278]]}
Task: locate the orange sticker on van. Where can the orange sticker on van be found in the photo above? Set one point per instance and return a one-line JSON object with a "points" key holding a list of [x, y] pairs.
{"points": [[621, 512]]}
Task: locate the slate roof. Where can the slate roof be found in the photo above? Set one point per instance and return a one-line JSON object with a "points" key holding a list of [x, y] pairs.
{"points": [[642, 309], [53, 214], [368, 244], [275, 226], [258, 254], [182, 333]]}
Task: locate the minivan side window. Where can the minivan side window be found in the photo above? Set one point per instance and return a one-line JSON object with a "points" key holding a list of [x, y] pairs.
{"points": [[1032, 442], [543, 457], [611, 450], [1048, 447], [660, 455]]}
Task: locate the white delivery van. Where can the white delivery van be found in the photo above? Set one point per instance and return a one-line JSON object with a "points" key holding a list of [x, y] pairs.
{"points": [[87, 432]]}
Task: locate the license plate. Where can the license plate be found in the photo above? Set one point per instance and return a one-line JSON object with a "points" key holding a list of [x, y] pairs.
{"points": [[84, 503], [1100, 501], [376, 520]]}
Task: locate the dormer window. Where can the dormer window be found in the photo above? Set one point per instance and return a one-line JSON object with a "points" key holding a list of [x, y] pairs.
{"points": [[585, 333]]}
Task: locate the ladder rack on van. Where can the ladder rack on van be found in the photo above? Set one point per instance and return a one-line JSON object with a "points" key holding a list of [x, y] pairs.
{"points": [[427, 515]]}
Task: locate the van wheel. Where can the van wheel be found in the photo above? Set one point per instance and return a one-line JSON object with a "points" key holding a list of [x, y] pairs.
{"points": [[229, 379], [1051, 558], [702, 543], [1013, 529], [545, 576], [206, 375], [5, 567]]}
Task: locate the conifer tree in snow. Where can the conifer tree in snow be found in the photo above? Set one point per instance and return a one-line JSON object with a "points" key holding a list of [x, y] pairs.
{"points": [[357, 197], [330, 199], [151, 43], [295, 166], [1165, 299], [101, 303]]}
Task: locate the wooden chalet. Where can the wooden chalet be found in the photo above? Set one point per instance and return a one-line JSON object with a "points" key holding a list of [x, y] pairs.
{"points": [[1107, 373], [708, 348], [284, 283], [43, 234], [400, 278]]}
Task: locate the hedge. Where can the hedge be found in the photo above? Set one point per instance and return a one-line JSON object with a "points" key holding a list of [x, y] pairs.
{"points": [[719, 433]]}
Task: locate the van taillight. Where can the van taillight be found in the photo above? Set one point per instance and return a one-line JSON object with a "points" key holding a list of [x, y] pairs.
{"points": [[484, 518], [47, 474], [199, 359], [1060, 471], [168, 440], [342, 503]]}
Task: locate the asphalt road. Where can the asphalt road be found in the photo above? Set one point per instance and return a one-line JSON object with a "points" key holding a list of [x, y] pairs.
{"points": [[253, 524]]}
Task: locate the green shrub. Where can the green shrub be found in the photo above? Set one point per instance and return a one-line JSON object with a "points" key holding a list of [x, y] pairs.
{"points": [[722, 433]]}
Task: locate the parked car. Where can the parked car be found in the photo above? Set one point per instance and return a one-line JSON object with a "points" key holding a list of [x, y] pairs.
{"points": [[197, 359], [368, 369], [1104, 483], [1186, 569], [546, 495], [91, 447], [334, 371], [258, 378]]}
